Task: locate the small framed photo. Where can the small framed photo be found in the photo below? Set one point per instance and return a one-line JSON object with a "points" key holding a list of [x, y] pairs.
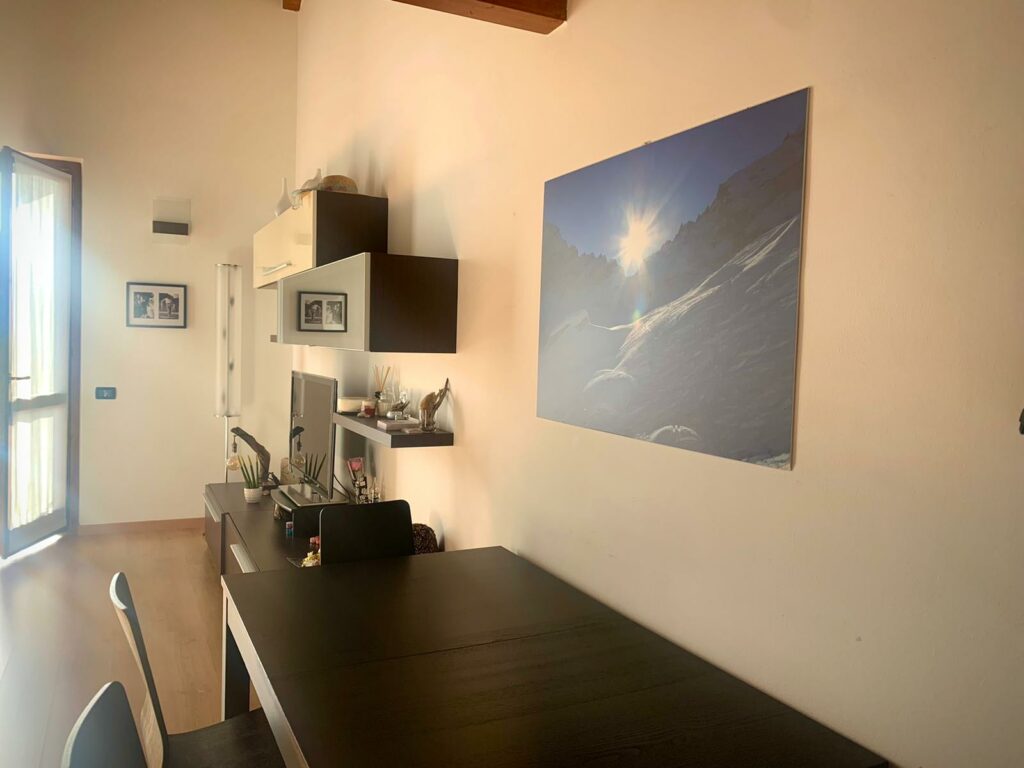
{"points": [[156, 305], [323, 312]]}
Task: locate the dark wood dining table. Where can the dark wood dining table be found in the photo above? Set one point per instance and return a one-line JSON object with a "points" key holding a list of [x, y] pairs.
{"points": [[480, 658]]}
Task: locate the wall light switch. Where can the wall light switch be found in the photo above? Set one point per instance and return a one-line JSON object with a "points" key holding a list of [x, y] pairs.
{"points": [[106, 393]]}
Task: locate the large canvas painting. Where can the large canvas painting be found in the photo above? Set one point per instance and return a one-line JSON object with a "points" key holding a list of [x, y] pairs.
{"points": [[670, 288]]}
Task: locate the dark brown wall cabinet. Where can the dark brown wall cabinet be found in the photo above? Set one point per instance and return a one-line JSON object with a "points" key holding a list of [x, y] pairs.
{"points": [[393, 303]]}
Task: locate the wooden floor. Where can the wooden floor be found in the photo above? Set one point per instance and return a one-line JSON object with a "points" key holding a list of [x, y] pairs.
{"points": [[60, 640]]}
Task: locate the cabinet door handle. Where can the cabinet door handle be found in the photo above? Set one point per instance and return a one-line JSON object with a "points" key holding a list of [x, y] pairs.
{"points": [[276, 268], [243, 559], [214, 514]]}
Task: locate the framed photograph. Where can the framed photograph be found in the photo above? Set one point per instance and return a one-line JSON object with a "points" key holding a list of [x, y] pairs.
{"points": [[323, 312], [156, 305]]}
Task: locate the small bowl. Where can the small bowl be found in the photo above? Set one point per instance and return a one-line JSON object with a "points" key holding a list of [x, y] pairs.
{"points": [[338, 183], [351, 404]]}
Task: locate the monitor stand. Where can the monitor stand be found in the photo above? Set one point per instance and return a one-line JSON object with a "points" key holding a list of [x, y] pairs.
{"points": [[289, 497]]}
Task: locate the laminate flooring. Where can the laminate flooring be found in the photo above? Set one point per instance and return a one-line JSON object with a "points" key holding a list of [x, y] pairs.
{"points": [[60, 640]]}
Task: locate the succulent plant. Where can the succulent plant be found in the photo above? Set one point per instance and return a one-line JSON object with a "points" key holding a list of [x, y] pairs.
{"points": [[250, 472], [314, 465]]}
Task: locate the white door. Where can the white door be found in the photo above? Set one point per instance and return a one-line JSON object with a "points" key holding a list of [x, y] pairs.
{"points": [[35, 349]]}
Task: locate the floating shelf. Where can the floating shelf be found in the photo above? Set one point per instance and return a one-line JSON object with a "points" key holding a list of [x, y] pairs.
{"points": [[367, 428]]}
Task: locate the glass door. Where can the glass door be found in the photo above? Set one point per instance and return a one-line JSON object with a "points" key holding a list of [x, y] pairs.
{"points": [[36, 236]]}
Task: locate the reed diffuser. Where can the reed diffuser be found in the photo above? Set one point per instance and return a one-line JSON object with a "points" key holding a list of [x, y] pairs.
{"points": [[381, 374]]}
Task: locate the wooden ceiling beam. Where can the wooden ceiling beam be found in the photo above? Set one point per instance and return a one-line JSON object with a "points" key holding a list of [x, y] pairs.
{"points": [[292, 5], [542, 16]]}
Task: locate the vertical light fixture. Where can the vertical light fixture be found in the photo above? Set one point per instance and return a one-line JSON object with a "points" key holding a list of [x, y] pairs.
{"points": [[228, 395]]}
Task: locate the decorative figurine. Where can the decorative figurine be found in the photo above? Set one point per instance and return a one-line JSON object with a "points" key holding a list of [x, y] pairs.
{"points": [[398, 409], [429, 405], [285, 201], [360, 483], [312, 184]]}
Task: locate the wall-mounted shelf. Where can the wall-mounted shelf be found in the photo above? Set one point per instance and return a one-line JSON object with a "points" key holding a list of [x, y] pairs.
{"points": [[367, 428]]}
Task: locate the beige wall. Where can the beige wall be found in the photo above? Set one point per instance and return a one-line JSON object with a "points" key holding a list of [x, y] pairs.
{"points": [[880, 585], [190, 99]]}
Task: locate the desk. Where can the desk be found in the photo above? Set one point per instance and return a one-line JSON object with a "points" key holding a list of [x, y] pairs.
{"points": [[230, 522], [479, 658]]}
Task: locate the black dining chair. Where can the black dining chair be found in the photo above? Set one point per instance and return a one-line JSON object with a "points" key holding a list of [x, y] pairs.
{"points": [[306, 521], [245, 741], [104, 734], [350, 532]]}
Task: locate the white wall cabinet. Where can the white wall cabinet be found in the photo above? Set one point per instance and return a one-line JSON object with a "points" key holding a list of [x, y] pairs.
{"points": [[327, 226]]}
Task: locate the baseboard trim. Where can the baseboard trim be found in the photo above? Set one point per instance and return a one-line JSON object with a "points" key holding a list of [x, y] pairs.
{"points": [[143, 526]]}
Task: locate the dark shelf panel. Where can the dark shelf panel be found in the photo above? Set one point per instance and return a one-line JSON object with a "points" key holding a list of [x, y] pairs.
{"points": [[368, 429]]}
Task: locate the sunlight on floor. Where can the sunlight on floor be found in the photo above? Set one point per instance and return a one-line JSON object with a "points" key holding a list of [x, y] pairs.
{"points": [[29, 551]]}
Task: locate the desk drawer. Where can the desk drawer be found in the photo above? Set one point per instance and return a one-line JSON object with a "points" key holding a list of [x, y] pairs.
{"points": [[213, 530], [236, 556]]}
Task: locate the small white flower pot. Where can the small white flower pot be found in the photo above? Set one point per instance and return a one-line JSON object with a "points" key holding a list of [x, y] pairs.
{"points": [[253, 495]]}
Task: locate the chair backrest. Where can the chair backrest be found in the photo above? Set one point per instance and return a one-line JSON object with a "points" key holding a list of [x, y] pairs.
{"points": [[351, 532], [151, 717], [104, 734], [306, 522]]}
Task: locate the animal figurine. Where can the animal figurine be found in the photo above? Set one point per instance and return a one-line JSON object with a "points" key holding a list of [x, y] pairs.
{"points": [[429, 405]]}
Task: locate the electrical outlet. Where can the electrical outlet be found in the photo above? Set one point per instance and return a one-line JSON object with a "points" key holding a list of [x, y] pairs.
{"points": [[106, 393]]}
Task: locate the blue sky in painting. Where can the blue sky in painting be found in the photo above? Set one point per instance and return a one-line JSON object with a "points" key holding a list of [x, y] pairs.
{"points": [[673, 179]]}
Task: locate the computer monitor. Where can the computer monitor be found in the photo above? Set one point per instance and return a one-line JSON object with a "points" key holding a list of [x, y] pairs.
{"points": [[312, 429]]}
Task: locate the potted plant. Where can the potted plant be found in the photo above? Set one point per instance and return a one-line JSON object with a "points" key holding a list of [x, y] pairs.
{"points": [[311, 473], [251, 478]]}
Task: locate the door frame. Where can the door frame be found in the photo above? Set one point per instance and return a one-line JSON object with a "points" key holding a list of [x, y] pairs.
{"points": [[72, 167]]}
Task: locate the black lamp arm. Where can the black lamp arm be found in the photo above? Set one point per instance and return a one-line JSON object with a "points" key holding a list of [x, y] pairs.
{"points": [[262, 453]]}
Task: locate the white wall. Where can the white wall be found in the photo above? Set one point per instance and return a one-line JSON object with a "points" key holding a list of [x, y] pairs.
{"points": [[880, 585], [190, 99]]}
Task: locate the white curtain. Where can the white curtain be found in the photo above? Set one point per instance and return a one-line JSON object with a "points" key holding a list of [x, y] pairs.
{"points": [[40, 331]]}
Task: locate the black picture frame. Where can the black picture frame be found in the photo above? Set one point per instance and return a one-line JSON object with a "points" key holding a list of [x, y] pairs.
{"points": [[162, 309], [312, 319]]}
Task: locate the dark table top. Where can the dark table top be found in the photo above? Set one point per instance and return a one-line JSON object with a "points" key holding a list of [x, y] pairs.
{"points": [[264, 537], [479, 658]]}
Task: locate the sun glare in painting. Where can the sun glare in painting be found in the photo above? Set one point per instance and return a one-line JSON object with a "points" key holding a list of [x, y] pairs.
{"points": [[670, 283], [638, 242]]}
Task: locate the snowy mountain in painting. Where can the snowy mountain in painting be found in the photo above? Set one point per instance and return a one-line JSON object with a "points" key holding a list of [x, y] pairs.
{"points": [[697, 347]]}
